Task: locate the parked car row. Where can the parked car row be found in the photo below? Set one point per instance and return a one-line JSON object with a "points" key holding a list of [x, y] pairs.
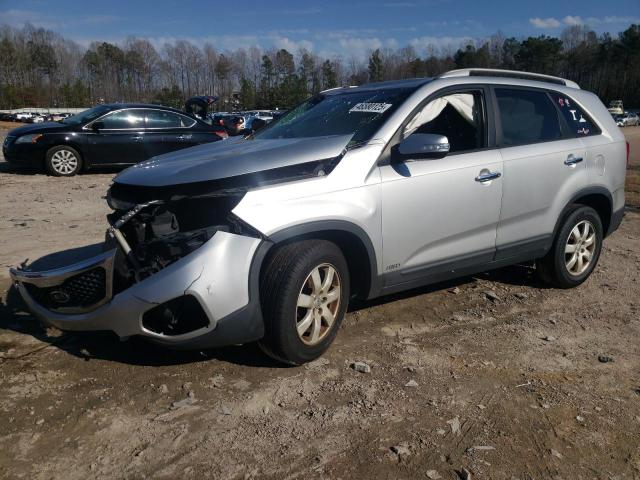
{"points": [[122, 134], [113, 134], [237, 123], [627, 119], [32, 117]]}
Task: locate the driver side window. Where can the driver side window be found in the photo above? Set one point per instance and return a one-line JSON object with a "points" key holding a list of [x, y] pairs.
{"points": [[457, 116]]}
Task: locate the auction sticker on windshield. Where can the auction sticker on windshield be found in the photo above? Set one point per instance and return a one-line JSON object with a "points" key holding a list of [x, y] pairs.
{"points": [[370, 107]]}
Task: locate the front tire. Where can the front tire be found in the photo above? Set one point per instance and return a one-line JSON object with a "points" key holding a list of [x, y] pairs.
{"points": [[63, 161], [304, 293], [575, 250]]}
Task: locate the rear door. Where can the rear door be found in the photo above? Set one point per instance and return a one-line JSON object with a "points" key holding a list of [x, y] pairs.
{"points": [[120, 139], [168, 131], [543, 168]]}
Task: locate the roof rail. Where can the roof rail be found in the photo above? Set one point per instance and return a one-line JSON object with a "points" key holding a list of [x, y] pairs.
{"points": [[490, 72]]}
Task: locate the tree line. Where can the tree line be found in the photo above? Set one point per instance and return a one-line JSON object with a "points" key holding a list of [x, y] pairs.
{"points": [[39, 67]]}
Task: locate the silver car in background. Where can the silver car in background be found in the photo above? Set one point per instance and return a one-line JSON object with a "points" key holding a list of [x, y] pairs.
{"points": [[356, 193], [627, 119]]}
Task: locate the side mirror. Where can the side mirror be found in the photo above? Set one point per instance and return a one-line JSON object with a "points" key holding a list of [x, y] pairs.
{"points": [[423, 145], [95, 126]]}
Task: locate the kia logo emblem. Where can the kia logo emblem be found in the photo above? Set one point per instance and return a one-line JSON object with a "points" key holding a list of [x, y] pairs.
{"points": [[59, 296]]}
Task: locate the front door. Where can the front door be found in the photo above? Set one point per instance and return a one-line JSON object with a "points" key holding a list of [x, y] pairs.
{"points": [[119, 140], [441, 214]]}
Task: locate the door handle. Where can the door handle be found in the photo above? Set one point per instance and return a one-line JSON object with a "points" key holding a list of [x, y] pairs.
{"points": [[184, 137], [572, 160], [488, 176], [137, 138]]}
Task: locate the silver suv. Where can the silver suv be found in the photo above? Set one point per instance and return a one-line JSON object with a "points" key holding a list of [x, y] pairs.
{"points": [[357, 192]]}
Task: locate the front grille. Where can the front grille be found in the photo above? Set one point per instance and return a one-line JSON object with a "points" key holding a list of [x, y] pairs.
{"points": [[79, 291]]}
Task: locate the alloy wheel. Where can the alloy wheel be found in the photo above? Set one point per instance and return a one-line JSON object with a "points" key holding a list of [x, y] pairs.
{"points": [[318, 304], [580, 247], [64, 162]]}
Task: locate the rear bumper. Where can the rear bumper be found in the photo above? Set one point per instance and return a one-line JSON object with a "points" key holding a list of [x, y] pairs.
{"points": [[221, 275]]}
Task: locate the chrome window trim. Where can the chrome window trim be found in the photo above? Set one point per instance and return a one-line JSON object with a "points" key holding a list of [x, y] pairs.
{"points": [[87, 127], [168, 111]]}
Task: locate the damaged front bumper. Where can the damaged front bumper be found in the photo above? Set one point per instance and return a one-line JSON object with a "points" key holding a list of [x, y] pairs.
{"points": [[205, 299]]}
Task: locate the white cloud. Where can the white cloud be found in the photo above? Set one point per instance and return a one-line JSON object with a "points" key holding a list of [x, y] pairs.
{"points": [[361, 47], [291, 45], [545, 22], [572, 20]]}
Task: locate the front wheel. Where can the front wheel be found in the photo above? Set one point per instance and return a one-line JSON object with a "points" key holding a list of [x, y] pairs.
{"points": [[575, 250], [63, 161], [304, 292]]}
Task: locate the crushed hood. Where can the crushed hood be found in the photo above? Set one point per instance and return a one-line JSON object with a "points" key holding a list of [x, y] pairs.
{"points": [[230, 158]]}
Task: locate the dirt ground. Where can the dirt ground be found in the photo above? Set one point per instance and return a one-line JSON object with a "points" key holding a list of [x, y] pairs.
{"points": [[491, 375]]}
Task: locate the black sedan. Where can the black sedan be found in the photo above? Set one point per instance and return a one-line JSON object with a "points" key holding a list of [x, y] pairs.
{"points": [[116, 134]]}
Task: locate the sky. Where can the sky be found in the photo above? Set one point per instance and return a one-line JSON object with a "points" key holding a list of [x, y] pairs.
{"points": [[345, 27]]}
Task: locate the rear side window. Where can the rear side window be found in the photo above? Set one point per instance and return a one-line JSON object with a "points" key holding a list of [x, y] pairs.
{"points": [[527, 116], [579, 123], [165, 119], [124, 119]]}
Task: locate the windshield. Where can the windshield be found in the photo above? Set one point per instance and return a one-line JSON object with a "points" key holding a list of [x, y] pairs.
{"points": [[357, 113], [86, 115]]}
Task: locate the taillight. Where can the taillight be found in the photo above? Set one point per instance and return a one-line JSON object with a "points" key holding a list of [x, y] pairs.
{"points": [[628, 151]]}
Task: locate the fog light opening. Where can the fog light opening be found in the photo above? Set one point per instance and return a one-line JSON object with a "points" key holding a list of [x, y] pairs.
{"points": [[176, 317]]}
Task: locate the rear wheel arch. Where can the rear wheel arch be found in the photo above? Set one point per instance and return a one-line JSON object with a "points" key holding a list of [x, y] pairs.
{"points": [[352, 240], [598, 198]]}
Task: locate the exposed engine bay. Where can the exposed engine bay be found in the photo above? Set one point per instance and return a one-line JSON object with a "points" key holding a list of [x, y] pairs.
{"points": [[155, 234], [156, 225]]}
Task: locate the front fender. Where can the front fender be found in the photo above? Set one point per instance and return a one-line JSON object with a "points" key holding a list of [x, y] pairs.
{"points": [[355, 210]]}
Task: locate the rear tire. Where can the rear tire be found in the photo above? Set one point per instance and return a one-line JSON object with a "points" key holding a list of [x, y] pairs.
{"points": [[63, 161], [304, 291], [575, 250]]}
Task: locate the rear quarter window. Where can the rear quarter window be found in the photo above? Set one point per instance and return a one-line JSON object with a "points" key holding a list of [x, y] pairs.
{"points": [[579, 123]]}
